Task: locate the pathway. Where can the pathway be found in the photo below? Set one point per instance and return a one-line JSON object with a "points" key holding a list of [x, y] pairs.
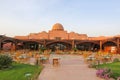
{"points": [[72, 67]]}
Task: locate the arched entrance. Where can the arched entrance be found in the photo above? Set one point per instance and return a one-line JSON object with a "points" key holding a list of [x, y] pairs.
{"points": [[88, 46], [59, 46], [8, 44], [31, 45], [110, 46]]}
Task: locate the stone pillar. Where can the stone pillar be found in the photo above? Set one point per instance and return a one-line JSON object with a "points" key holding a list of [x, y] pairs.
{"points": [[16, 45], [44, 43], [0, 46], [100, 45], [118, 43], [73, 44]]}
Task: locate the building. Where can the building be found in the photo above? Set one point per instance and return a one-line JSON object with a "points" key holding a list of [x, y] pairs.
{"points": [[57, 32], [58, 38]]}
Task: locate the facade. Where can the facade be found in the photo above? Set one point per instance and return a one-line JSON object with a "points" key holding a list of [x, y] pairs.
{"points": [[57, 32], [58, 38]]}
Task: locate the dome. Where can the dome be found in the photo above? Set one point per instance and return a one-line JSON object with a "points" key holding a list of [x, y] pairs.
{"points": [[57, 27]]}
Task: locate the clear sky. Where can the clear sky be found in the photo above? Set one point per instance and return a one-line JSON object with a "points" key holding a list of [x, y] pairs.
{"points": [[92, 17]]}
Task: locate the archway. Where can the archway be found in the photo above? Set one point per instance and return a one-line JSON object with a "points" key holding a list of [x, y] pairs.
{"points": [[110, 46], [59, 46], [31, 45], [88, 46], [8, 44]]}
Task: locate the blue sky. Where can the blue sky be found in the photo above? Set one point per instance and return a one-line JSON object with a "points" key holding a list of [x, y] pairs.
{"points": [[92, 17]]}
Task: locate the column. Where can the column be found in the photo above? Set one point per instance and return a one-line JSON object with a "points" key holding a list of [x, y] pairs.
{"points": [[0, 43], [0, 46], [100, 45], [118, 43], [44, 43], [73, 44], [15, 45]]}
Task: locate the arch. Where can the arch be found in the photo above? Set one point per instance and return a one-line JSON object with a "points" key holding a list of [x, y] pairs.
{"points": [[30, 42], [32, 45], [87, 42], [33, 41], [61, 45], [8, 44], [109, 43], [88, 46], [112, 42], [58, 42], [8, 40], [110, 46]]}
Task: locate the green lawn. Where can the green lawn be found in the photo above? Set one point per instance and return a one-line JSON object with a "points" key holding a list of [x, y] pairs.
{"points": [[115, 67], [18, 71]]}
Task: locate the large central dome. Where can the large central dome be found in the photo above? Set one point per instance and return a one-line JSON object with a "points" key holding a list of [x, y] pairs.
{"points": [[58, 27]]}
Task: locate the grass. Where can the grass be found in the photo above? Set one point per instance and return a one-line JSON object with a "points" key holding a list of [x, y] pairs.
{"points": [[18, 71], [115, 67]]}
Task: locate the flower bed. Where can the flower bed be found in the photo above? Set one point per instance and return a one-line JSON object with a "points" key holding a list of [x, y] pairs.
{"points": [[114, 67], [104, 73]]}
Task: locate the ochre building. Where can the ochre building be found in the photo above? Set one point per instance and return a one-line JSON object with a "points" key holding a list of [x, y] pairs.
{"points": [[57, 32], [58, 38]]}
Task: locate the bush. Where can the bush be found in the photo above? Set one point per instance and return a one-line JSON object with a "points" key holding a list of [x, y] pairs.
{"points": [[92, 65], [5, 61], [104, 73], [75, 49], [116, 60], [43, 49]]}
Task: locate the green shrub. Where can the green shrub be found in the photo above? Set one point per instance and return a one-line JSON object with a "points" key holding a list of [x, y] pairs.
{"points": [[5, 61], [75, 49], [116, 60], [92, 65], [42, 49]]}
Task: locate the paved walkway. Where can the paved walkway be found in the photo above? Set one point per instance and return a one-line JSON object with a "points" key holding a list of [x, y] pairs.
{"points": [[72, 67]]}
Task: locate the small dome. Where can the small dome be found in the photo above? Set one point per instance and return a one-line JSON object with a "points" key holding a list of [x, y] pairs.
{"points": [[58, 26]]}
